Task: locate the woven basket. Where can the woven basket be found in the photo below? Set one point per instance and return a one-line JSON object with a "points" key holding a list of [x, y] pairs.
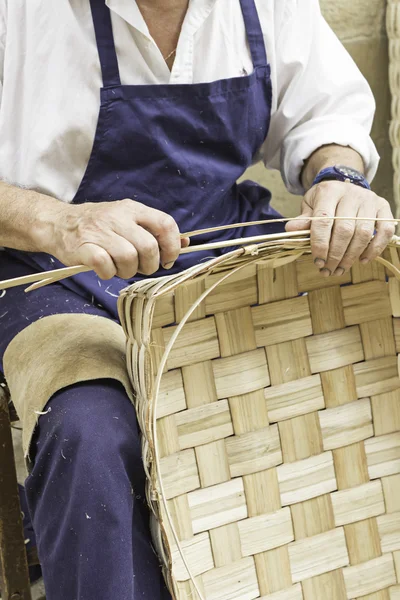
{"points": [[269, 401]]}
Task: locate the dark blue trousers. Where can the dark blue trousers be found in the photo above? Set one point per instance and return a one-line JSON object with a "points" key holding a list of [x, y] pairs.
{"points": [[86, 498], [85, 493]]}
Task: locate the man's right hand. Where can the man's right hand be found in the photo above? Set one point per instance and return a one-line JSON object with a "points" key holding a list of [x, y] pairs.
{"points": [[113, 238]]}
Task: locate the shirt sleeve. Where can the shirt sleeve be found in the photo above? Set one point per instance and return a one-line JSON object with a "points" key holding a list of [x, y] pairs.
{"points": [[322, 97]]}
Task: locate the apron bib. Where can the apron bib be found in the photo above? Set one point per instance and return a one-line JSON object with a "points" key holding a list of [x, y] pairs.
{"points": [[177, 148]]}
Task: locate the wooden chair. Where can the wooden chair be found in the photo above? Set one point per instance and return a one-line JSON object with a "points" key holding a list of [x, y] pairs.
{"points": [[14, 574]]}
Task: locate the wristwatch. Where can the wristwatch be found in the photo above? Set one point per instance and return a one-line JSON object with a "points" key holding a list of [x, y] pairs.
{"points": [[342, 173]]}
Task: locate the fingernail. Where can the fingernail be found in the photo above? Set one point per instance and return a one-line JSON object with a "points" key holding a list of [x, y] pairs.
{"points": [[339, 272], [168, 265], [325, 272], [319, 262], [364, 261]]}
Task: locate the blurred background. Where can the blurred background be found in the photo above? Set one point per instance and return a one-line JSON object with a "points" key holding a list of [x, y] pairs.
{"points": [[361, 26]]}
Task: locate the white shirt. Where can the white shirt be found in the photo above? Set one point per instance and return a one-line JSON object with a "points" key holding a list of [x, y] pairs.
{"points": [[50, 73]]}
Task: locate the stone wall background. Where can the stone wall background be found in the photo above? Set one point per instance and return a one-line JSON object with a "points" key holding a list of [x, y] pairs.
{"points": [[360, 25]]}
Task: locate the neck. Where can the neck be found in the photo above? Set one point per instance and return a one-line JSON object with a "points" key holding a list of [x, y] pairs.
{"points": [[163, 6], [164, 18]]}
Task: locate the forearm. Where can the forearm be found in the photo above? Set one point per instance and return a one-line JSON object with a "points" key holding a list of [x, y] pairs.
{"points": [[328, 156], [26, 218]]}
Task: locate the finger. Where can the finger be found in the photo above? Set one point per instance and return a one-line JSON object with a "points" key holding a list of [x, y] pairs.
{"points": [[306, 211], [185, 242], [363, 232], [342, 233], [321, 229], [147, 249], [164, 228], [98, 259], [124, 255], [385, 230], [301, 222]]}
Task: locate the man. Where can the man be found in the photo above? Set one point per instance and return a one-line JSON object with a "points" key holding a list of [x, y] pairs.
{"points": [[191, 95]]}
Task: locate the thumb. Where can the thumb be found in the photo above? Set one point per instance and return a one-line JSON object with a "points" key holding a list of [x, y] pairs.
{"points": [[301, 222]]}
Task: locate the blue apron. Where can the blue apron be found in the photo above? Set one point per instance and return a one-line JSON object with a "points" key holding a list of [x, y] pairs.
{"points": [[177, 148]]}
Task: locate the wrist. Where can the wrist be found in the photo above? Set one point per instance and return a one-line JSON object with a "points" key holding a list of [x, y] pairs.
{"points": [[50, 213], [326, 157], [343, 174]]}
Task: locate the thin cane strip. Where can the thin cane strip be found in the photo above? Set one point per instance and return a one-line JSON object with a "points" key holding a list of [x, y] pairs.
{"points": [[36, 277], [42, 283], [389, 266], [64, 272], [58, 274], [58, 277], [235, 242], [284, 220], [154, 416], [218, 264]]}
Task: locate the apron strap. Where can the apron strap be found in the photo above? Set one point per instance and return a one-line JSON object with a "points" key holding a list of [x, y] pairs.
{"points": [[254, 33], [105, 43]]}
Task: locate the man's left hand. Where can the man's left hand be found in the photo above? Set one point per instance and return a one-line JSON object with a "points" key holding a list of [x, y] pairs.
{"points": [[337, 244]]}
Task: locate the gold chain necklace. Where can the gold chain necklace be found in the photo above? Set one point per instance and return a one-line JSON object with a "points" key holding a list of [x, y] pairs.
{"points": [[166, 58]]}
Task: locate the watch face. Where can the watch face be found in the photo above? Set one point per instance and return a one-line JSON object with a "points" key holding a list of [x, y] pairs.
{"points": [[349, 173]]}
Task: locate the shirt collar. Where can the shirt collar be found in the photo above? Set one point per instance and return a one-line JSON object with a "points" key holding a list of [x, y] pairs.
{"points": [[128, 10]]}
